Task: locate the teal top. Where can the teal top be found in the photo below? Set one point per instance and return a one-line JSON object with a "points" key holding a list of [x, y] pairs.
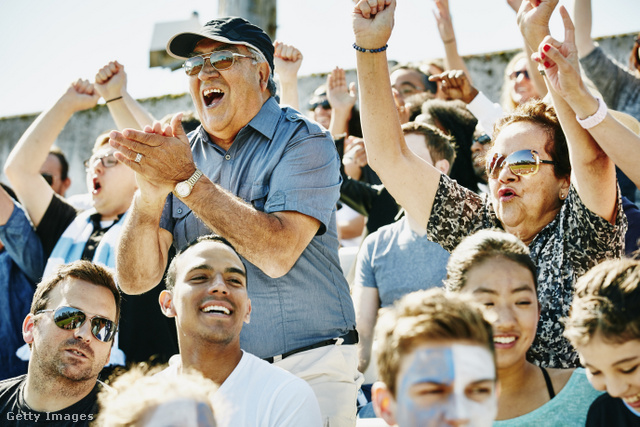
{"points": [[568, 408]]}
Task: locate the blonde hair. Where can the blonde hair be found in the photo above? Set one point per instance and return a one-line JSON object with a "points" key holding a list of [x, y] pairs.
{"points": [[135, 392]]}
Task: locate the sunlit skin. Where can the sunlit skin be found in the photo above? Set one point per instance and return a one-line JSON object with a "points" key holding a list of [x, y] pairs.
{"points": [[525, 204], [240, 92], [70, 355], [446, 384], [511, 305], [210, 274], [613, 367], [522, 88], [111, 188]]}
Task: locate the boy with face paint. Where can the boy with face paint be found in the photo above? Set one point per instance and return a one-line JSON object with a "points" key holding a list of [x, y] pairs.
{"points": [[436, 363]]}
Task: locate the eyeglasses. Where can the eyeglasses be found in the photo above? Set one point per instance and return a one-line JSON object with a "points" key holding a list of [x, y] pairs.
{"points": [[48, 177], [515, 74], [521, 163], [71, 318], [220, 60], [483, 139], [108, 161]]}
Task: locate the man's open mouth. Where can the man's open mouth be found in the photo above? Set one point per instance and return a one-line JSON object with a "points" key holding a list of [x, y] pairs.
{"points": [[212, 96]]}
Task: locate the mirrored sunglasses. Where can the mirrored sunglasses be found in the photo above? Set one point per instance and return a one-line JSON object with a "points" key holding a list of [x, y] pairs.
{"points": [[71, 318], [521, 163], [514, 75], [220, 60], [483, 139], [108, 161]]}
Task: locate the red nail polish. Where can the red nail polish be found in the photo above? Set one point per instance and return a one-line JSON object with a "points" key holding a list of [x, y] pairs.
{"points": [[546, 64], [546, 48], [542, 55]]}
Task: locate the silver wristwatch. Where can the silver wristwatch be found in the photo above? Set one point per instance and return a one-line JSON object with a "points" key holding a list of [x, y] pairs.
{"points": [[184, 188]]}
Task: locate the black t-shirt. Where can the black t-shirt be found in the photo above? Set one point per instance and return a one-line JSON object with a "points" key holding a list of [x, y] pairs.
{"points": [[15, 412], [609, 411], [56, 219]]}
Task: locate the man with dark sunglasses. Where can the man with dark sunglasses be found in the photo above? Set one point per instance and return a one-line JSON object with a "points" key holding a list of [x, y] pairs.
{"points": [[70, 330], [267, 179]]}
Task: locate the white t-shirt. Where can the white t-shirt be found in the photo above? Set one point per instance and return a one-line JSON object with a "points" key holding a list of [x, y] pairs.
{"points": [[260, 394]]}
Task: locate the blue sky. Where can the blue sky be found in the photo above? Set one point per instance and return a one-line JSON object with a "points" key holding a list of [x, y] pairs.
{"points": [[47, 44]]}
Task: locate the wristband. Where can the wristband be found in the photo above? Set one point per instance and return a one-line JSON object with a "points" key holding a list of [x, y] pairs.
{"points": [[361, 49], [114, 99], [596, 118]]}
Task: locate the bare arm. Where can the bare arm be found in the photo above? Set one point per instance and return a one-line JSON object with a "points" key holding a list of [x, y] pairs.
{"points": [[387, 152], [287, 60], [27, 157], [452, 59], [367, 303], [271, 241], [536, 78], [111, 84], [583, 17], [593, 172]]}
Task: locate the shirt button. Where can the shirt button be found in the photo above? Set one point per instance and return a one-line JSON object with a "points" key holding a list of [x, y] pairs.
{"points": [[293, 117], [227, 157], [179, 210]]}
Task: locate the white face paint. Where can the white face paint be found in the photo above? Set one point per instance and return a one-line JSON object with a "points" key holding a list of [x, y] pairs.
{"points": [[179, 413], [440, 385]]}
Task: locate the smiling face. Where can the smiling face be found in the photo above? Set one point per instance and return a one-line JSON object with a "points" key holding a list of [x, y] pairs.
{"points": [[525, 204], [446, 384], [209, 298], [507, 291], [613, 367], [111, 188], [74, 355], [227, 100]]}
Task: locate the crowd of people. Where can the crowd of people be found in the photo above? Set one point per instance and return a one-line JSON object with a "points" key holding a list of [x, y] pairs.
{"points": [[200, 280]]}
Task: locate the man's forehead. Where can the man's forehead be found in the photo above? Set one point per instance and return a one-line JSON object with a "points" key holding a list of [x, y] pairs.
{"points": [[206, 45], [83, 295], [212, 252]]}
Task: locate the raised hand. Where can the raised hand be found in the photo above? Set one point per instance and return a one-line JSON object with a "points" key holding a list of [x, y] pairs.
{"points": [[340, 96], [560, 61], [373, 22], [455, 84], [81, 95], [443, 19], [111, 80], [533, 20], [287, 60]]}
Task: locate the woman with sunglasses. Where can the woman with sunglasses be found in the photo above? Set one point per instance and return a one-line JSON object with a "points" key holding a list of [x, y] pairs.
{"points": [[568, 213], [529, 395]]}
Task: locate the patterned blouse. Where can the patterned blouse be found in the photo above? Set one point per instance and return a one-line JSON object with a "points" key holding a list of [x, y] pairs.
{"points": [[576, 240]]}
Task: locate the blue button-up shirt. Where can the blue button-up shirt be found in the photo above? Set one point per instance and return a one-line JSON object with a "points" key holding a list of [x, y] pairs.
{"points": [[280, 161], [23, 254]]}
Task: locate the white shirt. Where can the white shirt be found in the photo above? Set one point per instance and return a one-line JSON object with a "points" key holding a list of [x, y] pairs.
{"points": [[260, 394]]}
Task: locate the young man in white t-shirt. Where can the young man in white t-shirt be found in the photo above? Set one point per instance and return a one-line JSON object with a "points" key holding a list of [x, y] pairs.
{"points": [[207, 294]]}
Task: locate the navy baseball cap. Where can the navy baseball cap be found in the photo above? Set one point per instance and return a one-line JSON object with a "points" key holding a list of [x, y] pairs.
{"points": [[231, 30]]}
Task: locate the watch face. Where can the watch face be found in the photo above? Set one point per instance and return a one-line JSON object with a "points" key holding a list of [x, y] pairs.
{"points": [[183, 189]]}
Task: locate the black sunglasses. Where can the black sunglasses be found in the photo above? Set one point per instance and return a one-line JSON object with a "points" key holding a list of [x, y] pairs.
{"points": [[220, 60], [71, 318], [48, 177], [324, 104]]}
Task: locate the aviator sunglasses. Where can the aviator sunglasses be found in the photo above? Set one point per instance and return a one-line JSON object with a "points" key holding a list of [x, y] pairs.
{"points": [[521, 163], [71, 318], [220, 60]]}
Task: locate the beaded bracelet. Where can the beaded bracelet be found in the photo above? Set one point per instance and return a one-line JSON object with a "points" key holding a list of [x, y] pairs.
{"points": [[361, 49], [596, 118]]}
